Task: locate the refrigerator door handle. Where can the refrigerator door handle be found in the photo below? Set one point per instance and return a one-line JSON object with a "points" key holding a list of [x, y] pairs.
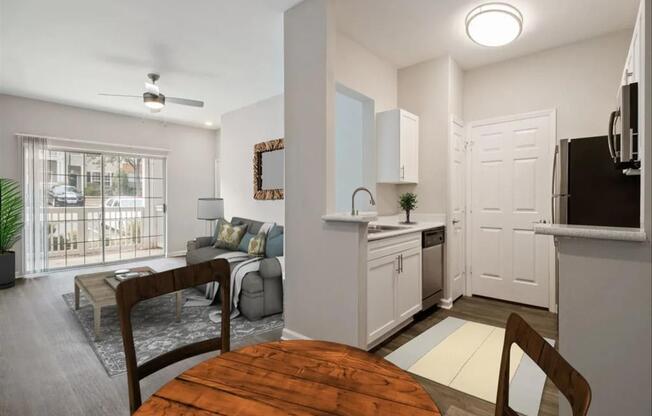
{"points": [[554, 178], [611, 136]]}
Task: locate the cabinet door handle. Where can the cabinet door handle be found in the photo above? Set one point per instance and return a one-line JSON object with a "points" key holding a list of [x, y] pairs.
{"points": [[400, 262], [402, 172]]}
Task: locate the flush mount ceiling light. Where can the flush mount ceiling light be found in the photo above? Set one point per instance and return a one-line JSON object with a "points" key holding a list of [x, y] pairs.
{"points": [[494, 24]]}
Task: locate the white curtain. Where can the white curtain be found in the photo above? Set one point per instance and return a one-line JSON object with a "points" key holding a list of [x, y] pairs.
{"points": [[35, 238]]}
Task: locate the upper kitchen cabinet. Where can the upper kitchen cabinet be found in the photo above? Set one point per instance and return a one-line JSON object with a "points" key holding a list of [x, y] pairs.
{"points": [[397, 132], [632, 71]]}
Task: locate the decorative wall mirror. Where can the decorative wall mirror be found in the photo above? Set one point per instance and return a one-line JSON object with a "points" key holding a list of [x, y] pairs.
{"points": [[269, 170]]}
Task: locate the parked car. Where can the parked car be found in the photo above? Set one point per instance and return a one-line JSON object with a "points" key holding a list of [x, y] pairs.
{"points": [[60, 195]]}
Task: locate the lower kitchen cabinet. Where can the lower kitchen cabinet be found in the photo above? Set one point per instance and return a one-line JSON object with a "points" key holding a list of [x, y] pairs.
{"points": [[393, 284]]}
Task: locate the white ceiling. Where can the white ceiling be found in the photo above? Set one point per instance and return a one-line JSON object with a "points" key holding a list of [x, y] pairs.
{"points": [[228, 53], [406, 32]]}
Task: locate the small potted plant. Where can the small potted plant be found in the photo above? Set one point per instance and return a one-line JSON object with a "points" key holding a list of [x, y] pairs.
{"points": [[11, 226], [408, 202]]}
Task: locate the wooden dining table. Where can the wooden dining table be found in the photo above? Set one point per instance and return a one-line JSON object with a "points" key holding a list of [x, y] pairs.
{"points": [[292, 377]]}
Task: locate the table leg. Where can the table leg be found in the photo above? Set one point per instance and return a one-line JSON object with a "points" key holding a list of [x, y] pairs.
{"points": [[97, 316], [76, 296], [179, 300]]}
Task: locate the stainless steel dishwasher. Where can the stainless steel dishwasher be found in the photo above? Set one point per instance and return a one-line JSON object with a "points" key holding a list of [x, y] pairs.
{"points": [[432, 269]]}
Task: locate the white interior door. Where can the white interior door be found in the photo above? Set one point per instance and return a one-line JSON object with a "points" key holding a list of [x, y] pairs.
{"points": [[456, 210], [510, 192]]}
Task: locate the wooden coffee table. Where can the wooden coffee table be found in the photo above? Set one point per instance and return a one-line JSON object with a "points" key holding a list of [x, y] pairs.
{"points": [[100, 293]]}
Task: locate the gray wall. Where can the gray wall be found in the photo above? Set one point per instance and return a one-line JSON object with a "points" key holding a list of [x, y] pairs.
{"points": [[190, 165], [241, 130], [580, 80]]}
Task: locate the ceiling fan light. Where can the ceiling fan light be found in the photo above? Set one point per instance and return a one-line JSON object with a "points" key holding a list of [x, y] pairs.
{"points": [[494, 24], [154, 102]]}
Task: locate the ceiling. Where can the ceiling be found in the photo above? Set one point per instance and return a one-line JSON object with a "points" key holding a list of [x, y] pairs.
{"points": [[410, 31], [227, 53]]}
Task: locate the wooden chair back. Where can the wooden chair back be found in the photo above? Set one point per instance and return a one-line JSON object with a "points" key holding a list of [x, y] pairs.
{"points": [[132, 291], [569, 382]]}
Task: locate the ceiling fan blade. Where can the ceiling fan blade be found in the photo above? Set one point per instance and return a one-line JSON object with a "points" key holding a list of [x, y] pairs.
{"points": [[152, 88], [120, 95], [184, 101]]}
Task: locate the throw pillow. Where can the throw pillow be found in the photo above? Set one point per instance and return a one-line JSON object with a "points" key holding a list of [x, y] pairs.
{"points": [[274, 244], [244, 243], [229, 236], [257, 245]]}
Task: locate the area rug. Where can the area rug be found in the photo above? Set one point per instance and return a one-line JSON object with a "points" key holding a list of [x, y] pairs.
{"points": [[466, 356], [156, 329]]}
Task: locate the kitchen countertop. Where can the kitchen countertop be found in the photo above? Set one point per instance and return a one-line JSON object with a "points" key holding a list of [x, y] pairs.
{"points": [[591, 231], [421, 224], [362, 217]]}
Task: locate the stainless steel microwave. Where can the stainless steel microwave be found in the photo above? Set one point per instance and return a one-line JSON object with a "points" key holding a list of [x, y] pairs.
{"points": [[622, 136]]}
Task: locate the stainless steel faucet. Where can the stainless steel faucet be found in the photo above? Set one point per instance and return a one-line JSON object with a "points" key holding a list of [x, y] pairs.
{"points": [[362, 188]]}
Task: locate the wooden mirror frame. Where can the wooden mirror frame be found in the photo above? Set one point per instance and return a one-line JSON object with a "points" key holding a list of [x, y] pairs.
{"points": [[259, 149]]}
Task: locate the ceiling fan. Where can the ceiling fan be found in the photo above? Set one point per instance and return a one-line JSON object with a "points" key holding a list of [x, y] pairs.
{"points": [[154, 100]]}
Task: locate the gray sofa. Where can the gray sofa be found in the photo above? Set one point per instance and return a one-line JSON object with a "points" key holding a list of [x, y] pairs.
{"points": [[262, 291]]}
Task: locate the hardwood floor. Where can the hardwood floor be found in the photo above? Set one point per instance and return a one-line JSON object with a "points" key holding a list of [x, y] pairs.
{"points": [[47, 366]]}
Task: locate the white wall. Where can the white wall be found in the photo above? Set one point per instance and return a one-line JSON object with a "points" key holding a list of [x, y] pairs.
{"points": [[425, 90], [324, 261], [190, 161], [241, 130], [580, 80], [362, 71]]}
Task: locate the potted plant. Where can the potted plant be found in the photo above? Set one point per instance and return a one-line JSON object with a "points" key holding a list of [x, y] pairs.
{"points": [[408, 202], [11, 226]]}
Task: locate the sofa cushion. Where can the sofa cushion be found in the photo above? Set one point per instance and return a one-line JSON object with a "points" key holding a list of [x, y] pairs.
{"points": [[253, 226], [230, 235], [244, 243], [270, 268], [274, 244], [203, 254]]}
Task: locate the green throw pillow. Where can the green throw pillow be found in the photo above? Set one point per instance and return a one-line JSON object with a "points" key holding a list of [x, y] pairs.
{"points": [[257, 245], [229, 236]]}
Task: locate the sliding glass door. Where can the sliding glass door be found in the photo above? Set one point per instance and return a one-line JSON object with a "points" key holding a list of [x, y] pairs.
{"points": [[104, 207]]}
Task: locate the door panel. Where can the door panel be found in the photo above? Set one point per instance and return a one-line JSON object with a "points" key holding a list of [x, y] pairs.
{"points": [[456, 229], [511, 163], [409, 284], [381, 305]]}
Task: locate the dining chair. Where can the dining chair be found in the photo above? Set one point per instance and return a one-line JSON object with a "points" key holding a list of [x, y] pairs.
{"points": [[569, 382], [131, 292]]}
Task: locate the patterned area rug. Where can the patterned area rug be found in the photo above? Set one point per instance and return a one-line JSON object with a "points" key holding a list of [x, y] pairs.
{"points": [[156, 329]]}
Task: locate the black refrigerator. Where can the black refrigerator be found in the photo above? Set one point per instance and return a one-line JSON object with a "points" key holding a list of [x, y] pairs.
{"points": [[590, 190]]}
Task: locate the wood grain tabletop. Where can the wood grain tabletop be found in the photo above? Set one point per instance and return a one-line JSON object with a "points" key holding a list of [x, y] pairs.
{"points": [[292, 377]]}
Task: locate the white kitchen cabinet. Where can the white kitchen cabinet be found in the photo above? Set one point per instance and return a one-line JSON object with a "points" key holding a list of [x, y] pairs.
{"points": [[393, 284], [381, 302], [397, 133], [632, 70], [408, 286]]}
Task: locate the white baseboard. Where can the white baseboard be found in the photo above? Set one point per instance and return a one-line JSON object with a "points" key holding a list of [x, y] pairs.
{"points": [[289, 335], [179, 253], [445, 303]]}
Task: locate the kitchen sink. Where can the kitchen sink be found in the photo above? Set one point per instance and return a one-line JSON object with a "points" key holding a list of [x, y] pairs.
{"points": [[377, 228]]}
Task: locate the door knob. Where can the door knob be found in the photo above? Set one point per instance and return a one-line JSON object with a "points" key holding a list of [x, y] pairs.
{"points": [[456, 221]]}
